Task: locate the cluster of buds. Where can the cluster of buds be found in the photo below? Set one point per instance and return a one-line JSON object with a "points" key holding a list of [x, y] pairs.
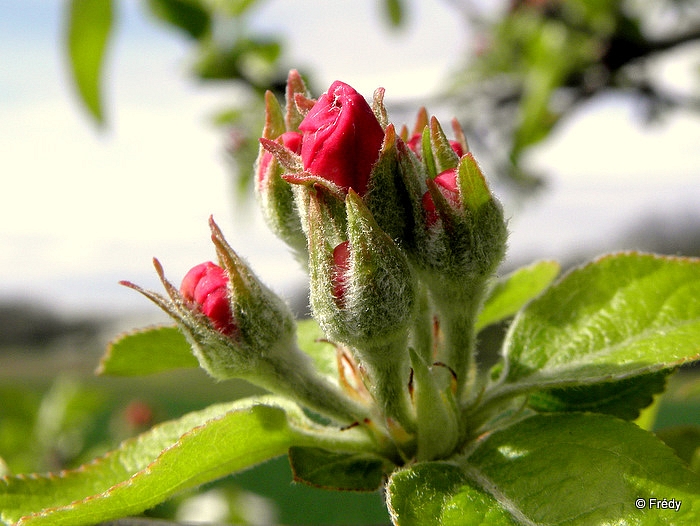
{"points": [[400, 234]]}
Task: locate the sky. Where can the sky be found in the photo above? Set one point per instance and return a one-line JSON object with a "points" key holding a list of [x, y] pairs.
{"points": [[82, 209]]}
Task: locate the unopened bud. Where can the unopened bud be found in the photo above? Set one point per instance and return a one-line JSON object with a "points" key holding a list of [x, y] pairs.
{"points": [[206, 285]]}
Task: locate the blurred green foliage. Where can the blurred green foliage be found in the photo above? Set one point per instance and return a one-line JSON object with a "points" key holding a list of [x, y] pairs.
{"points": [[537, 62], [534, 63]]}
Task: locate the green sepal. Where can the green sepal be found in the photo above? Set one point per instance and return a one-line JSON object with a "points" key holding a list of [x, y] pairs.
{"points": [[274, 118], [386, 197], [436, 410], [295, 90], [411, 176], [427, 154], [381, 287], [379, 109], [276, 198], [443, 154], [337, 470], [473, 190]]}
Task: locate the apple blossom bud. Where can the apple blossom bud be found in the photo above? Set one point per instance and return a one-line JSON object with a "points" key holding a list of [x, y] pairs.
{"points": [[238, 328], [265, 169], [447, 184], [362, 288], [274, 194], [206, 285], [342, 138]]}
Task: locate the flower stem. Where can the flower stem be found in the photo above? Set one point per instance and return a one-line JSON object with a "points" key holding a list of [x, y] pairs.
{"points": [[389, 382], [457, 313], [303, 385]]}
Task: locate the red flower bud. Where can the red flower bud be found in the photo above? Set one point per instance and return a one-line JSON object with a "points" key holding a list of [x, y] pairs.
{"points": [[447, 184], [342, 138], [414, 143], [341, 266], [206, 285], [291, 140]]}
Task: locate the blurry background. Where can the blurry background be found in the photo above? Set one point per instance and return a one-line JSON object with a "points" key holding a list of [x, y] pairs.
{"points": [[584, 114]]}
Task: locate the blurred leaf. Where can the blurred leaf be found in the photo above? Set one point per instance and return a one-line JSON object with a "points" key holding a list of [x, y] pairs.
{"points": [[251, 60], [88, 29], [147, 351], [395, 12], [187, 15], [685, 441], [234, 8]]}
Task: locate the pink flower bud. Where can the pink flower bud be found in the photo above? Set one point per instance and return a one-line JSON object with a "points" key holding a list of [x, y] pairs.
{"points": [[341, 266], [206, 285], [447, 184], [291, 140], [342, 138], [414, 143]]}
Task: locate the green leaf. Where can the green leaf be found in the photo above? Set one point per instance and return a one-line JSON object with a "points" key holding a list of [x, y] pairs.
{"points": [[555, 469], [620, 316], [147, 351], [337, 470], [312, 340], [623, 399], [198, 448], [87, 34], [187, 15], [440, 493], [510, 293]]}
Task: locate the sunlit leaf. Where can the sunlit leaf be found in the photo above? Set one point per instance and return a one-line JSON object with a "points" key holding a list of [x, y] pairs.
{"points": [[558, 469], [147, 351], [510, 293], [180, 454], [313, 342], [620, 316]]}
